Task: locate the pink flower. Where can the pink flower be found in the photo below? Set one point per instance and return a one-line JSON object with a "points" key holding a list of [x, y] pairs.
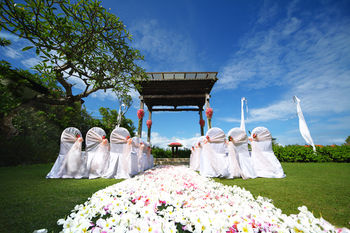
{"points": [[209, 113], [149, 123], [140, 113]]}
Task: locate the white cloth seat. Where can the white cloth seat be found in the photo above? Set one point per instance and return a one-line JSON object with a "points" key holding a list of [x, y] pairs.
{"points": [[126, 160], [97, 152], [137, 154], [264, 160], [214, 156], [68, 162], [146, 156], [239, 145], [197, 153], [118, 141]]}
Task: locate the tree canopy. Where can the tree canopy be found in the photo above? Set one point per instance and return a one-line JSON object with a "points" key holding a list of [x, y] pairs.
{"points": [[78, 42]]}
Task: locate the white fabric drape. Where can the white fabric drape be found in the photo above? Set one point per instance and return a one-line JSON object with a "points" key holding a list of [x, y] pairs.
{"points": [[264, 160], [126, 160], [197, 153], [240, 144], [304, 130], [69, 147], [118, 141], [97, 152], [214, 155], [137, 153], [146, 156]]}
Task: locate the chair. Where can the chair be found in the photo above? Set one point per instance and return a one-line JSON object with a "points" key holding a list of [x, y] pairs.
{"points": [[137, 153], [238, 146], [197, 153], [68, 162], [264, 160], [146, 155], [97, 152], [126, 159], [214, 155], [118, 141]]}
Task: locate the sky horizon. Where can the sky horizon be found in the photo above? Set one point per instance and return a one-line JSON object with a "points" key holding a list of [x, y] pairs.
{"points": [[265, 51]]}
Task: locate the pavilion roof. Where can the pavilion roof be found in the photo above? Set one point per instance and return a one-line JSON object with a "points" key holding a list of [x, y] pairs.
{"points": [[177, 89]]}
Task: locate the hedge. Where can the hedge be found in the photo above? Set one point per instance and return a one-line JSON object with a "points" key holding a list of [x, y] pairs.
{"points": [[297, 153], [290, 153]]}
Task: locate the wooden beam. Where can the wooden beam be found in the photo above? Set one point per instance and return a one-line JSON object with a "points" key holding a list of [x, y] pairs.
{"points": [[174, 109], [174, 96]]}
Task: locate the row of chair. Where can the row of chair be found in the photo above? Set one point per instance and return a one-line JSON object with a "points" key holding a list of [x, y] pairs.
{"points": [[214, 155], [122, 158]]}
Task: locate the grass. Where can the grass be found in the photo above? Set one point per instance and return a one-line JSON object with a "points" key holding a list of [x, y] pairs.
{"points": [[29, 201], [324, 188]]}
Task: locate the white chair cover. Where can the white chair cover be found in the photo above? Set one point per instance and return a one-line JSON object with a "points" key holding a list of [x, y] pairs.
{"points": [[137, 153], [126, 161], [197, 153], [239, 144], [118, 141], [214, 156], [70, 147], [264, 160], [146, 156], [97, 152], [193, 148]]}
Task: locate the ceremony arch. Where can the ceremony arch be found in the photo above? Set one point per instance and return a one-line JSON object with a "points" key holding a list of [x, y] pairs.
{"points": [[175, 91]]}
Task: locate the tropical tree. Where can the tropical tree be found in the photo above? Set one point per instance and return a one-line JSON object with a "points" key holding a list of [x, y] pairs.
{"points": [[78, 42], [110, 119]]}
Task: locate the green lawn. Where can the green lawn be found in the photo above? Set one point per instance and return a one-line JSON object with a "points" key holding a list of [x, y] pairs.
{"points": [[29, 201]]}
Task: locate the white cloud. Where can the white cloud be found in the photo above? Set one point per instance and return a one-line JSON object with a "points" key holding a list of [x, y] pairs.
{"points": [[30, 62], [163, 142], [169, 50], [308, 57], [9, 36], [12, 53]]}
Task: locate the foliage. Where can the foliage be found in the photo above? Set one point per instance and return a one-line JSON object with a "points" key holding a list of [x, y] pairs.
{"points": [[78, 42], [296, 153], [38, 137], [158, 152], [110, 118], [347, 141]]}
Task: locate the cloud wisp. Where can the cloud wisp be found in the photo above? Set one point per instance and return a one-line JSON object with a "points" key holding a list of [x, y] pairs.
{"points": [[307, 56]]}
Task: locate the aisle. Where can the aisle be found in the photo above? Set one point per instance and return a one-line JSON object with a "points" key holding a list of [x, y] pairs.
{"points": [[175, 198]]}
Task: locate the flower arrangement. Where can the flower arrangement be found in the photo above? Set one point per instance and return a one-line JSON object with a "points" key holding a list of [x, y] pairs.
{"points": [[140, 113], [177, 199], [149, 123], [230, 138], [209, 113], [201, 122]]}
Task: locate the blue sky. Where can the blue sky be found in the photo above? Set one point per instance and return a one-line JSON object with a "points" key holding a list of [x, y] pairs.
{"points": [[266, 51]]}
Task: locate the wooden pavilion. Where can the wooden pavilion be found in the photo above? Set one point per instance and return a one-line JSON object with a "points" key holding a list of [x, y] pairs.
{"points": [[176, 91]]}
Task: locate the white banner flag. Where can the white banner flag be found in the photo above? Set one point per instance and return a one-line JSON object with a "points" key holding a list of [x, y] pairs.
{"points": [[242, 113], [304, 130]]}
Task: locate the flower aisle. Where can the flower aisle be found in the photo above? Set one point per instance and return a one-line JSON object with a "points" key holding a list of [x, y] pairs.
{"points": [[177, 199]]}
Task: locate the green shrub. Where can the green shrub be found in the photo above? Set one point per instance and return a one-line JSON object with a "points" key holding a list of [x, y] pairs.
{"points": [[158, 152], [297, 153]]}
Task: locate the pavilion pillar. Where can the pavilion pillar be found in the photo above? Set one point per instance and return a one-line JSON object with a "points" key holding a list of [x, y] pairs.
{"points": [[139, 131], [149, 129], [201, 119], [207, 105]]}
